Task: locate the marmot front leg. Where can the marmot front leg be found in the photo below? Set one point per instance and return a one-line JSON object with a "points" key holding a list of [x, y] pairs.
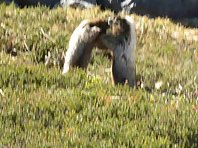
{"points": [[131, 74], [117, 74], [118, 67], [109, 41]]}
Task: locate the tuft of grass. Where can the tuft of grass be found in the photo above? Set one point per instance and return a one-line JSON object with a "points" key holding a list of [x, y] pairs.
{"points": [[41, 107]]}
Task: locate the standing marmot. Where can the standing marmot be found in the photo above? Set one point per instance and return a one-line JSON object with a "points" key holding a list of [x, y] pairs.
{"points": [[82, 41], [122, 42]]}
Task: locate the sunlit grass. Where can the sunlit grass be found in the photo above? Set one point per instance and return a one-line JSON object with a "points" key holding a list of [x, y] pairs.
{"points": [[41, 107]]}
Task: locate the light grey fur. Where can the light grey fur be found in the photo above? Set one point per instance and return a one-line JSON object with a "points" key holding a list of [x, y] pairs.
{"points": [[80, 46]]}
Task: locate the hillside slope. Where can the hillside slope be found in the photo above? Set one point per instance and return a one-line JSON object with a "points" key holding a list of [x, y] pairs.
{"points": [[40, 107]]}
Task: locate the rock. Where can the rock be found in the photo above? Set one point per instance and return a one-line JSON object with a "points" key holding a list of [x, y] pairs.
{"points": [[117, 5], [23, 3], [6, 1], [171, 8], [78, 3]]}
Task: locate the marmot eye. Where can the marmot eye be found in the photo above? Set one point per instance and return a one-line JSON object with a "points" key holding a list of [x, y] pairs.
{"points": [[110, 22]]}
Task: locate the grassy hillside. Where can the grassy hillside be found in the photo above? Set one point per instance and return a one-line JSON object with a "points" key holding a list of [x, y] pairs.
{"points": [[40, 107]]}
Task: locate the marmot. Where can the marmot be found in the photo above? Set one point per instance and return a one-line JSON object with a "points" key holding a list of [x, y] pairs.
{"points": [[122, 42], [84, 38]]}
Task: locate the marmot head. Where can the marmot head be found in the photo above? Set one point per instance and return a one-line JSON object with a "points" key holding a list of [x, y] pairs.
{"points": [[119, 26]]}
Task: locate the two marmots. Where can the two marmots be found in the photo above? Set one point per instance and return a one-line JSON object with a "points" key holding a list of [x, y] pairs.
{"points": [[121, 41]]}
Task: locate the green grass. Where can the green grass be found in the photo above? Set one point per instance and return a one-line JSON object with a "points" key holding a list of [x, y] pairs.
{"points": [[40, 107]]}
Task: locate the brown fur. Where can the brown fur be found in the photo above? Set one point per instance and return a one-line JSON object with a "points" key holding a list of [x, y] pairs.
{"points": [[103, 25], [120, 27]]}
